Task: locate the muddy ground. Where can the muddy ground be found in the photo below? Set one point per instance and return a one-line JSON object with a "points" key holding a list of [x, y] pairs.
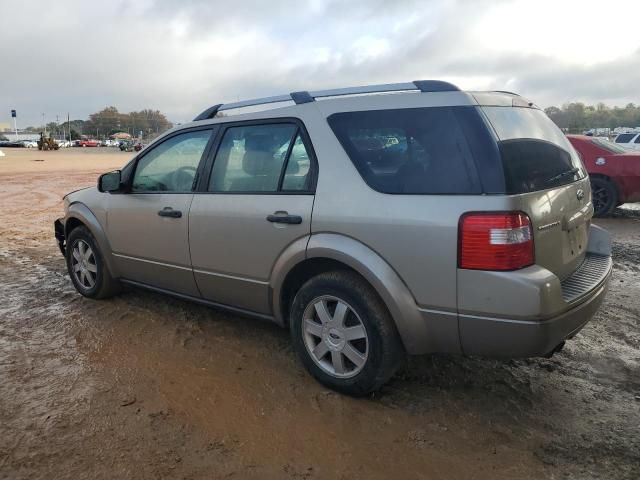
{"points": [[144, 386]]}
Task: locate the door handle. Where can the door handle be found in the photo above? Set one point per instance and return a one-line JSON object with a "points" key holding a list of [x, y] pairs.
{"points": [[284, 217], [170, 212]]}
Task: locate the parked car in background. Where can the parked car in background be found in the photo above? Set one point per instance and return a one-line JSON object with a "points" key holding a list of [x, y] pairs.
{"points": [[63, 143], [614, 172], [30, 143], [87, 143], [14, 144], [372, 225], [126, 146], [629, 141]]}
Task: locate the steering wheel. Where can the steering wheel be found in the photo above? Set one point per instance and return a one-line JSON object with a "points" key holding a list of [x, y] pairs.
{"points": [[182, 178]]}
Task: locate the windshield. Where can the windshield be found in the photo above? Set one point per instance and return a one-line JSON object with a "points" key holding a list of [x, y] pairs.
{"points": [[608, 145], [536, 155]]}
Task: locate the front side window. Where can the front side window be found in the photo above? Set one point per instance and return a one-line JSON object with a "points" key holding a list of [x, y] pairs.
{"points": [[261, 159], [637, 139], [171, 166], [410, 151]]}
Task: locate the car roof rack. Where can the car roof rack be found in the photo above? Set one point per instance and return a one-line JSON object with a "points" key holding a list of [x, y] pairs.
{"points": [[306, 97]]}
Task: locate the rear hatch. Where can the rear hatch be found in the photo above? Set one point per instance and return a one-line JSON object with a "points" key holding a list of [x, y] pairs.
{"points": [[548, 182]]}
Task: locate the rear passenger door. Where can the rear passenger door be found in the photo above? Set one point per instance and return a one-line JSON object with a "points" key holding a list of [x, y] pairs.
{"points": [[256, 201]]}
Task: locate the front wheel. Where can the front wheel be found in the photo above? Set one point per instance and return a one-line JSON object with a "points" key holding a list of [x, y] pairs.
{"points": [[343, 333], [604, 195], [86, 266]]}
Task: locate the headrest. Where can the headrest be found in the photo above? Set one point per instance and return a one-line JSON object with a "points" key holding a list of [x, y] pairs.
{"points": [[259, 142]]}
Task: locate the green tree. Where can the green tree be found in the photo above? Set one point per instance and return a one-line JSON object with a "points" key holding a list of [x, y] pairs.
{"points": [[577, 117]]}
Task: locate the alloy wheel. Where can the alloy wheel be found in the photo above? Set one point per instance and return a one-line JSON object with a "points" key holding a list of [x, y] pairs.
{"points": [[335, 336], [83, 265]]}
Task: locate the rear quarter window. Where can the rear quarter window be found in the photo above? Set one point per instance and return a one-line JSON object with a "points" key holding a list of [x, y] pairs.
{"points": [[412, 151], [536, 155]]}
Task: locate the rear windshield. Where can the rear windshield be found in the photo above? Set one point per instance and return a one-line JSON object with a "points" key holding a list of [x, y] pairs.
{"points": [[536, 155], [625, 137], [607, 145], [414, 151]]}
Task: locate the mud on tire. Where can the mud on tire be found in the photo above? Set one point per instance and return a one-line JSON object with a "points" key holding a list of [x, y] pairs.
{"points": [[87, 269], [344, 361]]}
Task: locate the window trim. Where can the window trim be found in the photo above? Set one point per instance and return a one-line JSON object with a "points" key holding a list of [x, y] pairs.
{"points": [[213, 128], [203, 181]]}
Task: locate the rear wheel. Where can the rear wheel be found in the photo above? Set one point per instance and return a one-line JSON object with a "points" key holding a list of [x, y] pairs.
{"points": [[344, 334], [605, 196], [86, 266]]}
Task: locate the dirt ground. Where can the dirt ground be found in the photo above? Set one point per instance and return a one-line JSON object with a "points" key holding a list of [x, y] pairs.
{"points": [[144, 386]]}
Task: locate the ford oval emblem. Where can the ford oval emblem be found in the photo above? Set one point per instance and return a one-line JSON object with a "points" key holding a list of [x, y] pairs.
{"points": [[580, 194]]}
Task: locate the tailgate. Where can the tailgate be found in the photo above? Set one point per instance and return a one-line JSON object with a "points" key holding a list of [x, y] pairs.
{"points": [[560, 219]]}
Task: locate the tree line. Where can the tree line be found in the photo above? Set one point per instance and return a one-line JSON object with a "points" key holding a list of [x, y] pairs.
{"points": [[108, 121], [577, 117]]}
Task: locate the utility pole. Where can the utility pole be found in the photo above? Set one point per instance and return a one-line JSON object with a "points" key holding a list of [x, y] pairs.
{"points": [[69, 127], [45, 125], [15, 125]]}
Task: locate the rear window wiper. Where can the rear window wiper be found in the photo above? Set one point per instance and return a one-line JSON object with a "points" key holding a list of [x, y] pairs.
{"points": [[566, 173]]}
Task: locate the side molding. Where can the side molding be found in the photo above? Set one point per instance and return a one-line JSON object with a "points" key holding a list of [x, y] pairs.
{"points": [[81, 212]]}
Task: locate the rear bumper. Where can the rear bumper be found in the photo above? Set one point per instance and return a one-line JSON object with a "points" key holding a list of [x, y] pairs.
{"points": [[58, 228], [499, 337], [529, 312]]}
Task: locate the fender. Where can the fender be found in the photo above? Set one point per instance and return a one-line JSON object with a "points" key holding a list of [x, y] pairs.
{"points": [[81, 212], [413, 328], [289, 258]]}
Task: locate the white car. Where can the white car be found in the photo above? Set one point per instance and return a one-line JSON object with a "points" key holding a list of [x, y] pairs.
{"points": [[63, 143], [30, 144], [630, 141]]}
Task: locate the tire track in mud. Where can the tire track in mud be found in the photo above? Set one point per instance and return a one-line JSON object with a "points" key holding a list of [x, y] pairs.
{"points": [[146, 386]]}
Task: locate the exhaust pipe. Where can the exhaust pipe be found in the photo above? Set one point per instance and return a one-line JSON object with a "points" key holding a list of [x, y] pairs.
{"points": [[555, 350]]}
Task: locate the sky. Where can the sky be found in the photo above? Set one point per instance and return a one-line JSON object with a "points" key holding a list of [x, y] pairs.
{"points": [[183, 56]]}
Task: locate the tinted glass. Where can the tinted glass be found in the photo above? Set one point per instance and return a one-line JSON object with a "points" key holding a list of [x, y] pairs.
{"points": [[607, 145], [171, 166], [637, 139], [411, 151], [251, 158], [625, 137], [297, 175], [536, 155]]}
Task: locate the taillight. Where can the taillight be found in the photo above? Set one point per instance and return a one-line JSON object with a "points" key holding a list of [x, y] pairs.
{"points": [[495, 241]]}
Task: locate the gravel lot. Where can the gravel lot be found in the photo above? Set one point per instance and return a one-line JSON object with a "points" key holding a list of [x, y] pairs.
{"points": [[144, 386]]}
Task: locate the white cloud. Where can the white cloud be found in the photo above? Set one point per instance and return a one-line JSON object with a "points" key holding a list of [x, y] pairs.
{"points": [[182, 56]]}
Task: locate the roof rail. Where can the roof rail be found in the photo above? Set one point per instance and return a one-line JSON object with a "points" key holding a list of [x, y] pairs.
{"points": [[307, 97]]}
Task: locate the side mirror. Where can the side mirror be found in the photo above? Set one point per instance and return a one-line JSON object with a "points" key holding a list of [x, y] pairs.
{"points": [[109, 182]]}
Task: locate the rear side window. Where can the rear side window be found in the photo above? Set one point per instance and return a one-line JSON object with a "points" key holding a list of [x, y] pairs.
{"points": [[261, 159], [637, 139], [625, 137], [410, 151], [536, 155]]}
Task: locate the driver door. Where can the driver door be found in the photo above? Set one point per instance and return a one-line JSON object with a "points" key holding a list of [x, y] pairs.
{"points": [[148, 224]]}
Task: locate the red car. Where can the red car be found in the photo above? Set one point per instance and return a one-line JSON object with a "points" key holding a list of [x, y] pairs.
{"points": [[87, 143], [614, 172]]}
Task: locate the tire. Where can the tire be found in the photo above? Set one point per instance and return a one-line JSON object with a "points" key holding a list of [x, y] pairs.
{"points": [[604, 195], [380, 351], [90, 276]]}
